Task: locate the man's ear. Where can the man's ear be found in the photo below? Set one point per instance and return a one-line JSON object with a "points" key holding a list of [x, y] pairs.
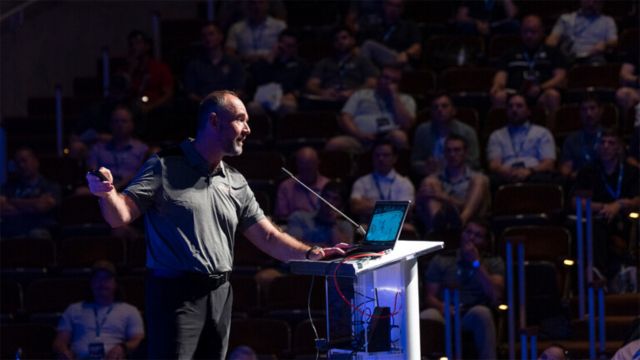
{"points": [[213, 119]]}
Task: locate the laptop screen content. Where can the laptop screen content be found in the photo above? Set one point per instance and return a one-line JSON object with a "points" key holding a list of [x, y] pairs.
{"points": [[386, 222]]}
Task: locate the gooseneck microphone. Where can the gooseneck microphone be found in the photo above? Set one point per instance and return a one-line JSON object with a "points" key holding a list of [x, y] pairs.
{"points": [[358, 227]]}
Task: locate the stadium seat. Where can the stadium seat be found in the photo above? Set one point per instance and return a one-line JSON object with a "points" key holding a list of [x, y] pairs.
{"points": [[264, 336]]}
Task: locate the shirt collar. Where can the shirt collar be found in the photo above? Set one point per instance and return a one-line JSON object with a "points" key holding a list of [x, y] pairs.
{"points": [[197, 161], [391, 176]]}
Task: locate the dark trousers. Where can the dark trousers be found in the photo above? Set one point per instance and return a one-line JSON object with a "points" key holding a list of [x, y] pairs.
{"points": [[187, 318]]}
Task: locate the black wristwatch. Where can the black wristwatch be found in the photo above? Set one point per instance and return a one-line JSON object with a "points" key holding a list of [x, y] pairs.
{"points": [[311, 249]]}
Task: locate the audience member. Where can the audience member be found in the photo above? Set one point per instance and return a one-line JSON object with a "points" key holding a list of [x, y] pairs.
{"points": [[579, 148], [383, 112], [256, 36], [534, 69], [287, 70], [478, 276], [212, 69], [615, 191], [628, 95], [520, 151], [485, 17], [123, 154], [584, 35], [554, 352], [243, 352], [150, 80], [228, 13], [392, 40], [630, 351], [384, 183], [324, 226], [28, 199], [292, 196], [102, 327], [427, 153], [446, 201], [337, 77]]}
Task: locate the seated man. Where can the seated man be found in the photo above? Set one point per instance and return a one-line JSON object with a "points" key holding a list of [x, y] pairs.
{"points": [[336, 78], [485, 17], [392, 40], [384, 183], [212, 69], [615, 191], [533, 69], [628, 95], [254, 37], [427, 152], [448, 199], [579, 148], [123, 154], [324, 226], [27, 201], [371, 113], [585, 35], [479, 278], [520, 151], [100, 328], [287, 70], [292, 196]]}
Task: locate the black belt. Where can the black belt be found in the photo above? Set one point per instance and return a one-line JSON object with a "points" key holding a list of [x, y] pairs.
{"points": [[211, 280]]}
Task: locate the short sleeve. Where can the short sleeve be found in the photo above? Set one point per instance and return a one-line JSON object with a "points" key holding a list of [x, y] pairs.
{"points": [[65, 323], [351, 106], [135, 325], [358, 191], [494, 149], [145, 184], [547, 145], [409, 104], [611, 30], [251, 212]]}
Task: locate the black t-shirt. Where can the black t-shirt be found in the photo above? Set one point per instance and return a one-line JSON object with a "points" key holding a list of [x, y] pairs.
{"points": [[537, 66], [608, 188], [399, 36], [291, 74]]}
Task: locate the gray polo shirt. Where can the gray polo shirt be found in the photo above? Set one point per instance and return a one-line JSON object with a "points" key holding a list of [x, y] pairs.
{"points": [[191, 214]]}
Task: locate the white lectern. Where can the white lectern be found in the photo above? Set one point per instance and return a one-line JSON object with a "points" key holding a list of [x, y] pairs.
{"points": [[389, 282]]}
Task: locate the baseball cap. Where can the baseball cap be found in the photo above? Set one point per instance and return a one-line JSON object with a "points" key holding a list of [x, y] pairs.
{"points": [[103, 265]]}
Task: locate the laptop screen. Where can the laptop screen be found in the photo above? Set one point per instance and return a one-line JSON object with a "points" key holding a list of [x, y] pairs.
{"points": [[386, 222]]}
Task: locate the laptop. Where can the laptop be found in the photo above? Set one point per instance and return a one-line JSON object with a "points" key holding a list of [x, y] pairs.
{"points": [[384, 228]]}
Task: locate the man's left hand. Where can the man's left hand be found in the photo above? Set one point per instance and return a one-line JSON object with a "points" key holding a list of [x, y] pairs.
{"points": [[116, 353], [321, 253]]}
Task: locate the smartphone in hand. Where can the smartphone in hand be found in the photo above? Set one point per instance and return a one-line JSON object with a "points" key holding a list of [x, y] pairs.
{"points": [[98, 174]]}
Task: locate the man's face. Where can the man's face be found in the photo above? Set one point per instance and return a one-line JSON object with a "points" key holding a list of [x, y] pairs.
{"points": [[442, 110], [476, 234], [211, 37], [122, 123], [288, 46], [103, 285], [233, 127], [454, 152], [26, 164], [389, 79], [609, 148], [393, 10], [532, 32], [517, 110], [343, 42], [383, 159], [137, 46], [590, 7], [257, 9], [307, 163], [590, 114]]}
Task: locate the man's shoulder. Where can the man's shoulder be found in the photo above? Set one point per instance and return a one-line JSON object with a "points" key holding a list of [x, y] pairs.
{"points": [[235, 176], [173, 151]]}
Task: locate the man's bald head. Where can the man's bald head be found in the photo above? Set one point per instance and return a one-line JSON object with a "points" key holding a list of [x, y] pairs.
{"points": [[532, 31]]}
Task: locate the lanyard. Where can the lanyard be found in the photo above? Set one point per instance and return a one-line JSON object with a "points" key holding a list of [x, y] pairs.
{"points": [[382, 197], [388, 33], [531, 61], [614, 195], [524, 140], [256, 36], [100, 325]]}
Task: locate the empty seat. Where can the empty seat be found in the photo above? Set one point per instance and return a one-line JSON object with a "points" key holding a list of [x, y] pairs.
{"points": [[83, 251], [418, 82], [593, 77], [264, 336], [501, 44], [467, 80], [27, 253], [304, 336], [51, 296], [33, 340], [305, 128], [10, 298]]}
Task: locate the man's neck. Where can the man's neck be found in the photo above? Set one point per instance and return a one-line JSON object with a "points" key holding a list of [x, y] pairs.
{"points": [[454, 172], [215, 54], [106, 301], [383, 174], [207, 149]]}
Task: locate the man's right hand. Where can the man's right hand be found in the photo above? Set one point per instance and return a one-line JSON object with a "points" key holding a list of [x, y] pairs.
{"points": [[98, 187]]}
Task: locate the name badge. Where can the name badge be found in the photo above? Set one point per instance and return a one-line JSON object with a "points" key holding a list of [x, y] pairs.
{"points": [[96, 351]]}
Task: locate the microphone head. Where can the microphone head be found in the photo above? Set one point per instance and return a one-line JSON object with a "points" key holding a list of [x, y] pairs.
{"points": [[360, 230]]}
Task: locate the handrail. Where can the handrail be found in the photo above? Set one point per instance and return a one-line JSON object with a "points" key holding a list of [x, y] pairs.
{"points": [[16, 10]]}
